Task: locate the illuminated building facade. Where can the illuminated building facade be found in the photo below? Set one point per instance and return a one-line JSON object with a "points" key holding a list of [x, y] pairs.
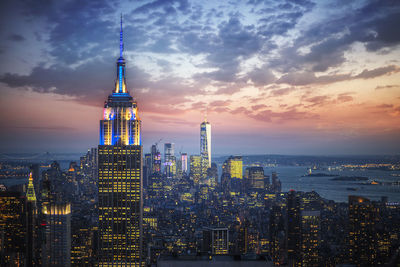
{"points": [[204, 192], [234, 167], [205, 144], [310, 238], [178, 167], [216, 241], [12, 229], [57, 248], [155, 184], [169, 159], [184, 160], [173, 165], [255, 177], [155, 160], [232, 174], [242, 240], [361, 236], [120, 177], [30, 192], [82, 246], [88, 163], [212, 175], [195, 168]]}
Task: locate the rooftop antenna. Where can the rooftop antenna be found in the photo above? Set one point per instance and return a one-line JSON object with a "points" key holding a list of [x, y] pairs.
{"points": [[121, 41]]}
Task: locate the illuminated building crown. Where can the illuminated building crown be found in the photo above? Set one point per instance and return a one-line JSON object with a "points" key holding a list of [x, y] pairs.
{"points": [[120, 124], [120, 84], [30, 193]]}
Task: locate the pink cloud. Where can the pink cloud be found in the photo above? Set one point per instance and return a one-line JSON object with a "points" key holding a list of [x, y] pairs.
{"points": [[317, 100], [258, 107], [385, 106], [345, 97], [283, 91]]}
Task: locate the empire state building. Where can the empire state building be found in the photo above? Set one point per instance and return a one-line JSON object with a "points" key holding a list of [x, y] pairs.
{"points": [[120, 176]]}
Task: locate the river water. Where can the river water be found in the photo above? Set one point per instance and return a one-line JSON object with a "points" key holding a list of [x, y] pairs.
{"points": [[291, 178]]}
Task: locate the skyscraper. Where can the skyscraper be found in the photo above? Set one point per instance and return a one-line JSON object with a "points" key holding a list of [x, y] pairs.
{"points": [[205, 144], [234, 167], [310, 237], [195, 168], [293, 228], [120, 176], [361, 235], [169, 151], [216, 240], [184, 159], [169, 156], [155, 160], [12, 229], [242, 240], [147, 169], [31, 217], [255, 177], [212, 175], [57, 248], [276, 183], [277, 235]]}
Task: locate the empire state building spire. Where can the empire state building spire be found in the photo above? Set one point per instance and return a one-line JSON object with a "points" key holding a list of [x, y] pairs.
{"points": [[121, 122], [120, 84], [121, 41]]}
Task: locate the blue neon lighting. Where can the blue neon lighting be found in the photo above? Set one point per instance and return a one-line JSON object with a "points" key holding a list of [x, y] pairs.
{"points": [[120, 79]]}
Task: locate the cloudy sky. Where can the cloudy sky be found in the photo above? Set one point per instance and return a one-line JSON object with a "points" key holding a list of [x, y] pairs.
{"points": [[282, 77]]}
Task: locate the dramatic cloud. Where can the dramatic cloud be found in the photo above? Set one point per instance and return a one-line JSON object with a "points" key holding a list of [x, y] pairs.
{"points": [[282, 117], [326, 42], [305, 78], [368, 74], [83, 82], [262, 76], [286, 64]]}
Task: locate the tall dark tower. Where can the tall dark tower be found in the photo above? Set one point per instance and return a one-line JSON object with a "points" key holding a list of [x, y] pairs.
{"points": [[361, 231], [293, 229], [120, 176], [277, 235], [31, 218]]}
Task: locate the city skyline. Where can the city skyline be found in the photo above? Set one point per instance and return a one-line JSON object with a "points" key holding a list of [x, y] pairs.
{"points": [[276, 78], [117, 205]]}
